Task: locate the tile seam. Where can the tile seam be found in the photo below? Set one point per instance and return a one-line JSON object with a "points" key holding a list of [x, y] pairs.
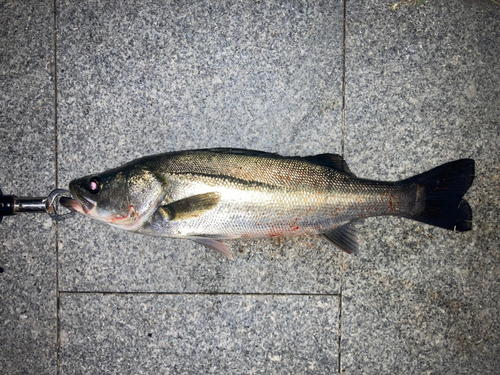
{"points": [[56, 181], [341, 255], [343, 78], [67, 292]]}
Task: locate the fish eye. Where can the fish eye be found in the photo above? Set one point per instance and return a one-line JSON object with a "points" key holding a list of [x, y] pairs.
{"points": [[95, 185]]}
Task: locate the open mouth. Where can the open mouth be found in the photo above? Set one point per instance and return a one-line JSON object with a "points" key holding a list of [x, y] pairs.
{"points": [[78, 203], [71, 204]]}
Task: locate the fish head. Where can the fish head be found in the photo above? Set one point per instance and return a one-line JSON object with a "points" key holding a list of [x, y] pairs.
{"points": [[123, 197]]}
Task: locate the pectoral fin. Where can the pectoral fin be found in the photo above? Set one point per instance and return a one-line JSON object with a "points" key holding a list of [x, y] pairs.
{"points": [[190, 207], [344, 237]]}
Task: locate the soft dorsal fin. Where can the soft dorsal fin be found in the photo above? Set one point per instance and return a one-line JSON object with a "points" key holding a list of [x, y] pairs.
{"points": [[190, 207], [241, 151], [330, 160], [345, 237]]}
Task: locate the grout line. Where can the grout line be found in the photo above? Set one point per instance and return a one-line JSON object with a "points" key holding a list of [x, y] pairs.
{"points": [[344, 37], [56, 171], [56, 140], [340, 311], [202, 293], [58, 326], [343, 80]]}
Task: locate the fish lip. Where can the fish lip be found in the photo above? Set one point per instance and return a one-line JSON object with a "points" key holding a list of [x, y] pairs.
{"points": [[68, 202], [78, 203], [86, 204]]}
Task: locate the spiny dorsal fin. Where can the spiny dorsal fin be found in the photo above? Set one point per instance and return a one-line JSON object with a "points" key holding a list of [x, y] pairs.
{"points": [[190, 207], [330, 160], [345, 237]]}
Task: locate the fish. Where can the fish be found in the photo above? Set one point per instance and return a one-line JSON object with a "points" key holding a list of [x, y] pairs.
{"points": [[212, 195]]}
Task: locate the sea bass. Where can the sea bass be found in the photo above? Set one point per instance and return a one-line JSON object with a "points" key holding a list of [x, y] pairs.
{"points": [[212, 195]]}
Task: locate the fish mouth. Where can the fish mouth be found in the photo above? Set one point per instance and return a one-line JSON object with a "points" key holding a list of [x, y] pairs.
{"points": [[69, 203], [78, 203]]}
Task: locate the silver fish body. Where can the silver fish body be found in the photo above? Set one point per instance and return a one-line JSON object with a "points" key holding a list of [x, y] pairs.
{"points": [[216, 194]]}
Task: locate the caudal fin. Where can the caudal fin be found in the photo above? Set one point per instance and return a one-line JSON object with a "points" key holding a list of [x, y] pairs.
{"points": [[444, 188]]}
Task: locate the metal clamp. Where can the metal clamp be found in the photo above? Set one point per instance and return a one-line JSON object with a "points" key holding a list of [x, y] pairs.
{"points": [[13, 205]]}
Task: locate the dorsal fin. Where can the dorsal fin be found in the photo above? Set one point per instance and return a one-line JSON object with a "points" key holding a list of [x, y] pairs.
{"points": [[334, 161], [241, 151]]}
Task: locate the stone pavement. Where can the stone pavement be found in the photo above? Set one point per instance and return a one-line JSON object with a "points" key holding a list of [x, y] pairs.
{"points": [[99, 83]]}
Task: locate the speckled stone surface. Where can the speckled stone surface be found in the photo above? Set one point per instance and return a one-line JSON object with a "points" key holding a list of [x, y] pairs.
{"points": [[423, 88], [27, 252], [106, 259], [138, 81], [198, 334]]}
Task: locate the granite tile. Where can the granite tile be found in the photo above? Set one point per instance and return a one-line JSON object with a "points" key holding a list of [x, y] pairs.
{"points": [[423, 88], [108, 260], [27, 244], [194, 334], [170, 76], [28, 307]]}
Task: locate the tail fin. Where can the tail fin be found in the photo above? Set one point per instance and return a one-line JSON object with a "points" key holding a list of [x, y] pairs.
{"points": [[444, 188]]}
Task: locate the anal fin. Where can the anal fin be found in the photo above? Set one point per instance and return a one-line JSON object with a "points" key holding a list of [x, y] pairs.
{"points": [[345, 237]]}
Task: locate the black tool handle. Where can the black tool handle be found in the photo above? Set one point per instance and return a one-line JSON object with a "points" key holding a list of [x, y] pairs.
{"points": [[6, 205], [12, 205]]}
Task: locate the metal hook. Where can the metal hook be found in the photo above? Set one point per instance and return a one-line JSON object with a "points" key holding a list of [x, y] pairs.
{"points": [[53, 206]]}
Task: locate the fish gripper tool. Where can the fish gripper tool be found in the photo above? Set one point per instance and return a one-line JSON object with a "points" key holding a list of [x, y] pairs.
{"points": [[13, 205]]}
